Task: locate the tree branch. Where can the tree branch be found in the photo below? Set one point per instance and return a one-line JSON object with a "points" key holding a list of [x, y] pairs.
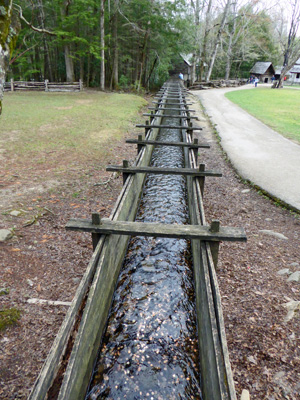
{"points": [[34, 28]]}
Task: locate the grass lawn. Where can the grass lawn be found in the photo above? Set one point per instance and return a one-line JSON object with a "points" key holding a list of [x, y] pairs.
{"points": [[34, 125], [278, 108]]}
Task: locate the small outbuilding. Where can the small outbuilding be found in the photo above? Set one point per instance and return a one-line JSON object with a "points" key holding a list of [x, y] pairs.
{"points": [[294, 73], [184, 66], [263, 70]]}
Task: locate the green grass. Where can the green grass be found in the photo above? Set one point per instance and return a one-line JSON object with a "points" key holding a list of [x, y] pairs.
{"points": [[8, 317], [35, 124], [278, 108]]}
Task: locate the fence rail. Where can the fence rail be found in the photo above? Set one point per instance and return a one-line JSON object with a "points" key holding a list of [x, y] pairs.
{"points": [[44, 86]]}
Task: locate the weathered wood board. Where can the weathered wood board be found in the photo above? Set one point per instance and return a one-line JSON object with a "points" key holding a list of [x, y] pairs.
{"points": [[200, 232], [163, 143], [163, 171], [189, 128]]}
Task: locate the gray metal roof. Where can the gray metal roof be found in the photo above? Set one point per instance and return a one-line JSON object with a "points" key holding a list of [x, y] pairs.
{"points": [[278, 69], [187, 58], [260, 67], [295, 69]]}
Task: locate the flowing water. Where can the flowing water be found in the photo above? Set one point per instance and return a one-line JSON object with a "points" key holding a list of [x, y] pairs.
{"points": [[150, 348]]}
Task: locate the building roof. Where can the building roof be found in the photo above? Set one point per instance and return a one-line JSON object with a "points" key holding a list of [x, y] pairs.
{"points": [[295, 69], [187, 58], [261, 67], [278, 69]]}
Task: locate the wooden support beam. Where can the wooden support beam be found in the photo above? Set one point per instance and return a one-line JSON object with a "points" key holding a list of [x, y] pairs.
{"points": [[167, 97], [169, 127], [202, 179], [170, 109], [139, 143], [194, 145], [174, 104], [214, 246], [96, 220], [201, 232], [172, 116], [163, 171], [124, 171]]}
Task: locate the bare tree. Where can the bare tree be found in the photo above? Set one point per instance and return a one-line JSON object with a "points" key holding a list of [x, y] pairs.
{"points": [[218, 39], [207, 23], [291, 45]]}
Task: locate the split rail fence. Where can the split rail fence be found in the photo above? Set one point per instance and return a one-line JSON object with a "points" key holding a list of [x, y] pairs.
{"points": [[44, 86]]}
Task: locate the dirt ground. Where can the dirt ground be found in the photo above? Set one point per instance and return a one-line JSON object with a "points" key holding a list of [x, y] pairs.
{"points": [[44, 261]]}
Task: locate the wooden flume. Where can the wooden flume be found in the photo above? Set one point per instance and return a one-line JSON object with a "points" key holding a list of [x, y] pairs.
{"points": [[110, 238]]}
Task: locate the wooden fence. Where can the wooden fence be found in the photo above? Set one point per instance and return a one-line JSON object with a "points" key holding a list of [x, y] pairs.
{"points": [[45, 86]]}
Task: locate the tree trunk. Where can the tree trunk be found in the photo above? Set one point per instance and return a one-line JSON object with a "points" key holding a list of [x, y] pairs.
{"points": [[205, 39], [9, 28], [48, 74], [287, 68], [218, 39], [115, 67], [69, 64], [102, 45], [196, 53], [67, 49], [143, 58]]}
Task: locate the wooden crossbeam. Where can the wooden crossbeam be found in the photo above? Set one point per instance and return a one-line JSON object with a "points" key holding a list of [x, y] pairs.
{"points": [[171, 109], [170, 115], [176, 144], [201, 232], [172, 97], [189, 128], [163, 171], [174, 104]]}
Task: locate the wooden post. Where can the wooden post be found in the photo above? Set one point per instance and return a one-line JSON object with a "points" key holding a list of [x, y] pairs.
{"points": [[196, 151], [139, 146], [96, 220], [125, 176], [190, 131], [147, 129], [188, 120], [202, 178], [152, 117], [214, 246], [12, 88], [46, 85], [80, 85]]}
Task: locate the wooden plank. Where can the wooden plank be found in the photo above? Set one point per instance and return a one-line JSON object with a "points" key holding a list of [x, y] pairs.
{"points": [[200, 232], [163, 171], [192, 128], [217, 382], [176, 144], [52, 363], [171, 109], [171, 116], [173, 104]]}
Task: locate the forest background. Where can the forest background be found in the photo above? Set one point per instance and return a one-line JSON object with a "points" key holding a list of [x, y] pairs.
{"points": [[133, 44]]}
